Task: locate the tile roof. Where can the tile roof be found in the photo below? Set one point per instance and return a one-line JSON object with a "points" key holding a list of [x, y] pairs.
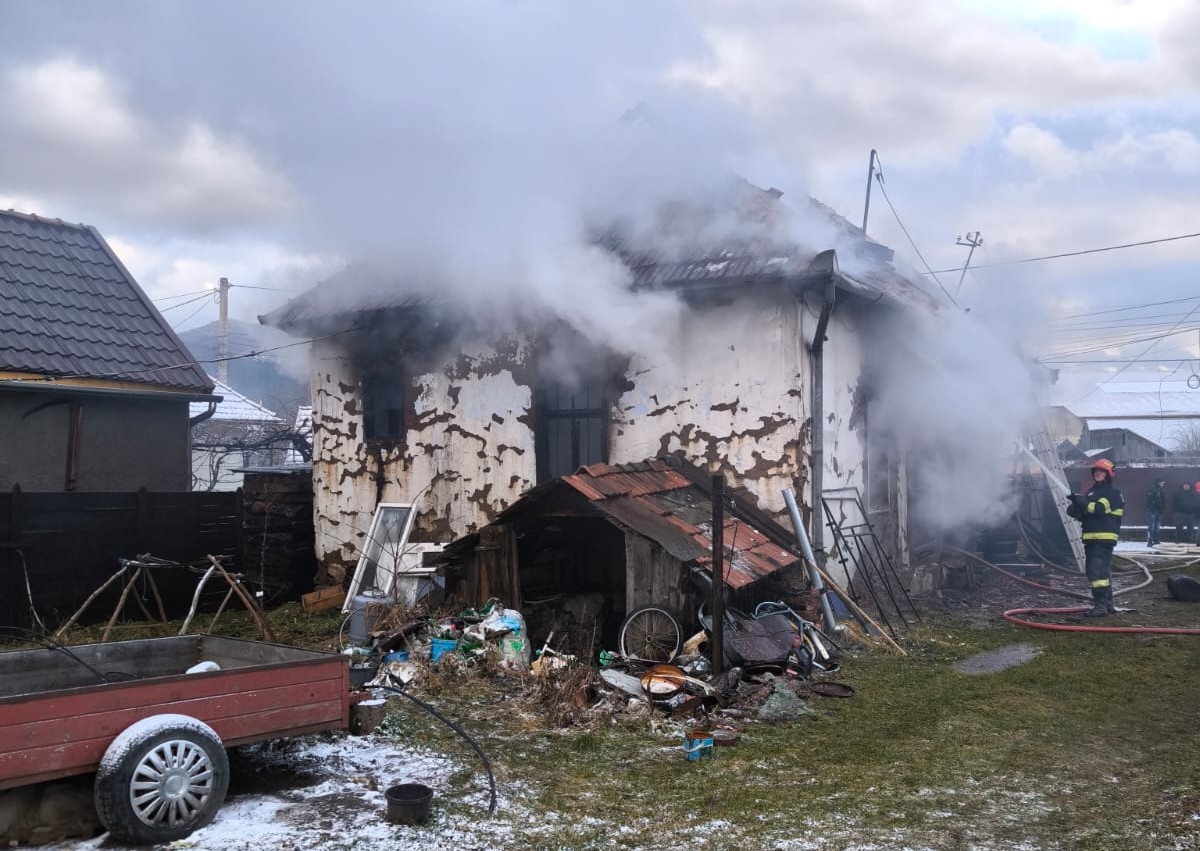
{"points": [[69, 308], [660, 501]]}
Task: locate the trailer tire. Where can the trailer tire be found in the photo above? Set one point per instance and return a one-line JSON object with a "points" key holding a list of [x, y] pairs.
{"points": [[162, 778]]}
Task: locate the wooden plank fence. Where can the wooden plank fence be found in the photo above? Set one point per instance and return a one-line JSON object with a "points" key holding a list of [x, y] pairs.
{"points": [[57, 548]]}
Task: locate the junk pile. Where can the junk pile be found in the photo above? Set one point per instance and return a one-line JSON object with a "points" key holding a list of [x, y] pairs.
{"points": [[396, 643], [775, 663]]}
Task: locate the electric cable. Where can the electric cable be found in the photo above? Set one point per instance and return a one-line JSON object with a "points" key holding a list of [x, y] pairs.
{"points": [[908, 236], [1072, 253]]}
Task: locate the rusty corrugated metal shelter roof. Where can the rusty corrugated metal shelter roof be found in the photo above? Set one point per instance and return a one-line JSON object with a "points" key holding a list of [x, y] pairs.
{"points": [[666, 501]]}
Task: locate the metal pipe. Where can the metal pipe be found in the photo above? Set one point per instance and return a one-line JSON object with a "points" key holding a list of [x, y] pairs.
{"points": [[831, 624], [818, 411]]}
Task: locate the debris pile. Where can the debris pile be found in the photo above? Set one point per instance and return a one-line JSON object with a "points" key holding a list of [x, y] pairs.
{"points": [[774, 662]]}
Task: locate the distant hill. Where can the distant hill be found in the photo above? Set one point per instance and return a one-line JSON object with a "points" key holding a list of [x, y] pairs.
{"points": [[260, 379]]}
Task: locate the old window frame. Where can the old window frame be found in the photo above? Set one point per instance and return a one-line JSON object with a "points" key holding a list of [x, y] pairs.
{"points": [[547, 417], [392, 381]]}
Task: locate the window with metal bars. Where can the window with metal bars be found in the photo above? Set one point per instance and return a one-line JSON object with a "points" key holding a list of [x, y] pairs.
{"points": [[572, 427]]}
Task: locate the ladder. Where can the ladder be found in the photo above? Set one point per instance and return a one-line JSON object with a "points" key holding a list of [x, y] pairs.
{"points": [[1046, 454]]}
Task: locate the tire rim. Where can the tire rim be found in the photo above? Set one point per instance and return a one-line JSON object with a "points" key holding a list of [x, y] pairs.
{"points": [[171, 784], [651, 634]]}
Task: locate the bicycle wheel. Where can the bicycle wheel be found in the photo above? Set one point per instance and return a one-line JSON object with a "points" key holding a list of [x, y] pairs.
{"points": [[651, 633]]}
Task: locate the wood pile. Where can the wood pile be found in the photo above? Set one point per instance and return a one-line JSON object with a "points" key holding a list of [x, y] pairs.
{"points": [[278, 531]]}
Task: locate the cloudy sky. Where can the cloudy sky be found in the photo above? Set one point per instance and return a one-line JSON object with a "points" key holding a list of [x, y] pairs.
{"points": [[269, 141]]}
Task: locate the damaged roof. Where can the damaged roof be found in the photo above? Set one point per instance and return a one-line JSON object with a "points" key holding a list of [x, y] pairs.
{"points": [[750, 237], [666, 501], [72, 310]]}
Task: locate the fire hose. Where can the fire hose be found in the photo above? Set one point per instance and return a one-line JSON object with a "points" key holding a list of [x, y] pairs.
{"points": [[1013, 615]]}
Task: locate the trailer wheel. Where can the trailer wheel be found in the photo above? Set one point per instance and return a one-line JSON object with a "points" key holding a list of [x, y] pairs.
{"points": [[161, 779]]}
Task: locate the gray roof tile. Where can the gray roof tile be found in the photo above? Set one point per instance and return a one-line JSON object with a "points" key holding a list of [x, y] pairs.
{"points": [[69, 308]]}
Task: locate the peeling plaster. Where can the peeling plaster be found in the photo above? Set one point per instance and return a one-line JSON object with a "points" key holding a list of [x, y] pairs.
{"points": [[733, 398]]}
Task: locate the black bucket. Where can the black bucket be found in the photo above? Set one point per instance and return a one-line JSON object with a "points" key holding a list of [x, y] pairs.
{"points": [[409, 803]]}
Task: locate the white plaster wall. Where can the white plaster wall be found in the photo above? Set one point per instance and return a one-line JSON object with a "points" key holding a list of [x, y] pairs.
{"points": [[731, 394], [468, 451]]}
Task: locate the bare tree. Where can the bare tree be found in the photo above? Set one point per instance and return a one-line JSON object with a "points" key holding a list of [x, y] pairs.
{"points": [[1187, 439], [230, 446]]}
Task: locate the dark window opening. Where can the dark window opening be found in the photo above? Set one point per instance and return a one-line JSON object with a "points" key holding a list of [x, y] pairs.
{"points": [[879, 463], [572, 427], [383, 406]]}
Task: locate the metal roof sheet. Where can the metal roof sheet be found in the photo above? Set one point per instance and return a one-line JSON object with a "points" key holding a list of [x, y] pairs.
{"points": [[659, 502], [69, 308]]}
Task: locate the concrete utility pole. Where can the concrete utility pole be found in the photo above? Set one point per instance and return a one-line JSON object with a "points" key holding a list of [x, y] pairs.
{"points": [[870, 173], [974, 240], [223, 332]]}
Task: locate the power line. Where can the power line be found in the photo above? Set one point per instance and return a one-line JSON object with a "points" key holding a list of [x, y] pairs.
{"points": [[892, 207], [1071, 253], [184, 303], [1128, 307], [268, 289], [192, 314], [1142, 354], [179, 295]]}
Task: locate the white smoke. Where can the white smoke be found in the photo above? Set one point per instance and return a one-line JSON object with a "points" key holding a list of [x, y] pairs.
{"points": [[955, 394]]}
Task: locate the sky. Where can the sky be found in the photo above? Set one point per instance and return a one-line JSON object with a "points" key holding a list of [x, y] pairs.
{"points": [[271, 143]]}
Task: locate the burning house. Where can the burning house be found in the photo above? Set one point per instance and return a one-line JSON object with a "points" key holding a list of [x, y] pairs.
{"points": [[764, 377]]}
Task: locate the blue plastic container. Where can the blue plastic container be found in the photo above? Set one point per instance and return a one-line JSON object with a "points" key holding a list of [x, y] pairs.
{"points": [[442, 646], [397, 656]]}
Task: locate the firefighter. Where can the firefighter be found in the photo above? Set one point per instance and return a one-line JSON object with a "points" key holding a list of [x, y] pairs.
{"points": [[1100, 512]]}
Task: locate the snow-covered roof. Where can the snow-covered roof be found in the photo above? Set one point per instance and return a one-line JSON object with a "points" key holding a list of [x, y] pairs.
{"points": [[1136, 400], [235, 407], [1163, 432]]}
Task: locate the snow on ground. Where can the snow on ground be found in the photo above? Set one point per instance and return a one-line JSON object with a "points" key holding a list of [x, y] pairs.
{"points": [[345, 805]]}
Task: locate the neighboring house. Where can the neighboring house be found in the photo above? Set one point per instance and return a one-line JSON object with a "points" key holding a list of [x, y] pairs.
{"points": [[412, 403], [94, 384], [1139, 421], [240, 433]]}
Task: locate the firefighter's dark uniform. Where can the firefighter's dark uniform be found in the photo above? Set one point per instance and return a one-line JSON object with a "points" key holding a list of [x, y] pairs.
{"points": [[1100, 512]]}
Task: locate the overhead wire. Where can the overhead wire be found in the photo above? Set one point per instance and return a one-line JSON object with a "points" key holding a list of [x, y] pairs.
{"points": [[908, 236], [1071, 253], [184, 303]]}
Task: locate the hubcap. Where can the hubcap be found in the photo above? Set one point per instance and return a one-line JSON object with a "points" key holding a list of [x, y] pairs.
{"points": [[171, 784]]}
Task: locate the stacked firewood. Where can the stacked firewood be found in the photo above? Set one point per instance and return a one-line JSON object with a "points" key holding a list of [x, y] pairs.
{"points": [[278, 534]]}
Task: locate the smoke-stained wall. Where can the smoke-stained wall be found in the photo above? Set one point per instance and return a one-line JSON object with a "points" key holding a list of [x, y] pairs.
{"points": [[732, 398], [468, 449], [731, 392]]}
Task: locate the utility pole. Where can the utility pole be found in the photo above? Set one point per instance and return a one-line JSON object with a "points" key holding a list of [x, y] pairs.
{"points": [[871, 161], [223, 333], [974, 240]]}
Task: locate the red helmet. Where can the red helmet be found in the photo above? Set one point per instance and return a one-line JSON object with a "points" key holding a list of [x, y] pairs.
{"points": [[1105, 465]]}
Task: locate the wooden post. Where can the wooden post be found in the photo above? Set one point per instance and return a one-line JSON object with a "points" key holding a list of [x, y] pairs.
{"points": [[718, 574]]}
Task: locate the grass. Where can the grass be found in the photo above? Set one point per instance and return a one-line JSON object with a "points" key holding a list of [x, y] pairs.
{"points": [[1094, 744]]}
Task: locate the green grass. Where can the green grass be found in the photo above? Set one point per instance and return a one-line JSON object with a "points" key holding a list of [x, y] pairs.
{"points": [[1095, 744], [1092, 745]]}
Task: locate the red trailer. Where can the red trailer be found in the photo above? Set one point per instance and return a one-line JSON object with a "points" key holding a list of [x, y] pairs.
{"points": [[154, 734]]}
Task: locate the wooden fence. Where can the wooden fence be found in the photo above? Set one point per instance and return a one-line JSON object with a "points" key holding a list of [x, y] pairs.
{"points": [[57, 548]]}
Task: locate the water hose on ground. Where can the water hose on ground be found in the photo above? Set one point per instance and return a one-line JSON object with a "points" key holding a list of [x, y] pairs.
{"points": [[487, 765], [1011, 615]]}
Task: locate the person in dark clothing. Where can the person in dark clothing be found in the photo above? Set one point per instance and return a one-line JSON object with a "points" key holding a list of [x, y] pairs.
{"points": [[1100, 512], [1156, 504], [1185, 514]]}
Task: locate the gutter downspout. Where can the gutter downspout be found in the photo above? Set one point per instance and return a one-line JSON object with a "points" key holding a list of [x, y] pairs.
{"points": [[199, 418], [825, 261]]}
